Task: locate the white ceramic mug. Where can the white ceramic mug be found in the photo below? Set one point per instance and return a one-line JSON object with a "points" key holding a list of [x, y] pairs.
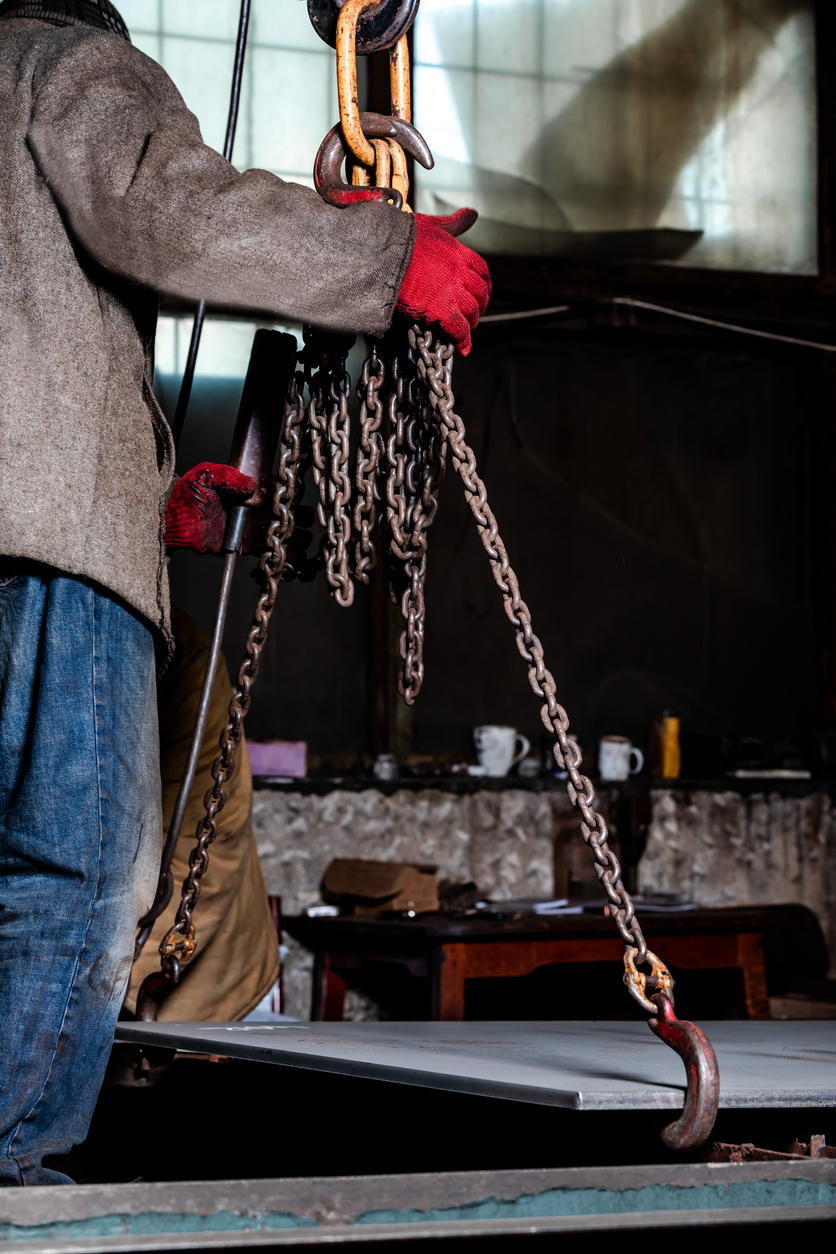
{"points": [[495, 748], [614, 755]]}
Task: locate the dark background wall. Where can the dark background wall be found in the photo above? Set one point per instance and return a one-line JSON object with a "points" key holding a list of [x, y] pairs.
{"points": [[657, 496]]}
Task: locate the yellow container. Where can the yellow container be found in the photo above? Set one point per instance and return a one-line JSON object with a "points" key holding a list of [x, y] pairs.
{"points": [[666, 755]]}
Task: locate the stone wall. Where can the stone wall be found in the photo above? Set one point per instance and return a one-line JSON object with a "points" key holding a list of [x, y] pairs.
{"points": [[716, 848], [724, 849]]}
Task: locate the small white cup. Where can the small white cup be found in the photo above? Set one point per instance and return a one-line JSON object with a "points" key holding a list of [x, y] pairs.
{"points": [[495, 748], [614, 755], [385, 766]]}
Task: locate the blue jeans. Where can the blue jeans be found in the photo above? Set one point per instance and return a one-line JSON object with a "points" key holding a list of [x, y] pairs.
{"points": [[80, 837]]}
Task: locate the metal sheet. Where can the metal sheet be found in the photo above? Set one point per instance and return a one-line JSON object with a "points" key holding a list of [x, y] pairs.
{"points": [[582, 1066], [229, 1213]]}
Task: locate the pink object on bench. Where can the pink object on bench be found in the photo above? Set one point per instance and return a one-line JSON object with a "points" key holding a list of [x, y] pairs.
{"points": [[279, 757]]}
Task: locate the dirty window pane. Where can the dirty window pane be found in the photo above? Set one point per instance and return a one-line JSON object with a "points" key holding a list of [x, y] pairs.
{"points": [[667, 130], [288, 100]]}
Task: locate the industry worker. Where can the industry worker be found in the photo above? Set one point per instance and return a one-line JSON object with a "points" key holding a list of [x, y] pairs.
{"points": [[108, 196]]}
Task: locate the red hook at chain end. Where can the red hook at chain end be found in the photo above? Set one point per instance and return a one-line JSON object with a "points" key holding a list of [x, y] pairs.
{"points": [[702, 1097]]}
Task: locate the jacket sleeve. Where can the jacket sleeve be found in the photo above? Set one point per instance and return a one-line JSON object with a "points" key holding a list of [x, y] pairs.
{"points": [[143, 194]]}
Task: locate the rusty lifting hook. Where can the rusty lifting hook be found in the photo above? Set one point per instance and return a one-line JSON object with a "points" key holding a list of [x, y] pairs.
{"points": [[694, 1048]]}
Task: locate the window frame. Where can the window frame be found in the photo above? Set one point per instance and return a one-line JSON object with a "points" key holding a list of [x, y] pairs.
{"points": [[798, 299]]}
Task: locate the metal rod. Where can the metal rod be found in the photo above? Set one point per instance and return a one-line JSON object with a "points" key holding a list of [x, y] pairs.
{"points": [[165, 884], [237, 78], [185, 393]]}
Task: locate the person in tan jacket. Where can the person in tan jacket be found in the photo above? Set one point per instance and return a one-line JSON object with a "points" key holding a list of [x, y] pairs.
{"points": [[109, 197], [236, 962]]}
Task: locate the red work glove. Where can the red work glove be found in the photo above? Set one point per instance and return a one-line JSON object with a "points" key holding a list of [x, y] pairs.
{"points": [[446, 282], [194, 517]]}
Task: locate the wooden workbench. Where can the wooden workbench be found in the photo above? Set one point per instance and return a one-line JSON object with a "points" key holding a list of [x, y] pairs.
{"points": [[449, 950]]}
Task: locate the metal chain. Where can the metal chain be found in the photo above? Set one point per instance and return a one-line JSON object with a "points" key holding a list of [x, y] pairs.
{"points": [[415, 460], [318, 427], [178, 944], [339, 490], [396, 463], [329, 425], [411, 642], [436, 366], [369, 456]]}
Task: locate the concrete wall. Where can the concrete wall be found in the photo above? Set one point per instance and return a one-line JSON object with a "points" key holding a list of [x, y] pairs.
{"points": [[713, 848]]}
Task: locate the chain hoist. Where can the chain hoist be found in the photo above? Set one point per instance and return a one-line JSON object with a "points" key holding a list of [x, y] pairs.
{"points": [[409, 431]]}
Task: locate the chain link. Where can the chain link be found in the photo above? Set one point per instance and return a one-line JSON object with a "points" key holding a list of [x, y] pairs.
{"points": [[415, 461], [339, 490], [436, 366], [396, 463], [329, 425], [369, 457]]}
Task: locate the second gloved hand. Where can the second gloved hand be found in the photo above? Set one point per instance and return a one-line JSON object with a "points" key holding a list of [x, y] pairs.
{"points": [[194, 517], [446, 282]]}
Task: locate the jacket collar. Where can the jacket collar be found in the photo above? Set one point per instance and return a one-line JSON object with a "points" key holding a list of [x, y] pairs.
{"points": [[99, 13]]}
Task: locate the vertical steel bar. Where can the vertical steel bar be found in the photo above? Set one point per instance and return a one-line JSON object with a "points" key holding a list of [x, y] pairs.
{"points": [[185, 393], [232, 547]]}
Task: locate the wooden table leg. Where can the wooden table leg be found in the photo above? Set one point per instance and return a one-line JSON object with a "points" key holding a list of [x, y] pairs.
{"points": [[753, 1001], [328, 1002], [448, 976]]}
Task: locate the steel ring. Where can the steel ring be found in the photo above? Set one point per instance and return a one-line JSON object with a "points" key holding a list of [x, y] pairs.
{"points": [[381, 26]]}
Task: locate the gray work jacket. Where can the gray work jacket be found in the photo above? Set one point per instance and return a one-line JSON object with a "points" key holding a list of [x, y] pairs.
{"points": [[108, 196]]}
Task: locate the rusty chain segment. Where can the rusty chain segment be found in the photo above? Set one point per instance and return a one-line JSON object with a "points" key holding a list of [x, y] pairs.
{"points": [[329, 424], [435, 364], [415, 461], [369, 456], [339, 490]]}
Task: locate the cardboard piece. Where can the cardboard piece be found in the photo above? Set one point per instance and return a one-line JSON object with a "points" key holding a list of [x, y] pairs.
{"points": [[372, 887]]}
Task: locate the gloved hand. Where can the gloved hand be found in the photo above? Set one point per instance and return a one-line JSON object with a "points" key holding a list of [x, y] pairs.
{"points": [[446, 282], [194, 517]]}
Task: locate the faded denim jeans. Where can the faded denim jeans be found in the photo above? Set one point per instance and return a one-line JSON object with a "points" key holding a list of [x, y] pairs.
{"points": [[80, 839]]}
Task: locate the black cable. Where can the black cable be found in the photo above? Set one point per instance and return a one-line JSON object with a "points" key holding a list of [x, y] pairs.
{"points": [[184, 396]]}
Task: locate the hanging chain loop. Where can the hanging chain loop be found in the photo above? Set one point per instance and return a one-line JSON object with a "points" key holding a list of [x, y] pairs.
{"points": [[436, 366]]}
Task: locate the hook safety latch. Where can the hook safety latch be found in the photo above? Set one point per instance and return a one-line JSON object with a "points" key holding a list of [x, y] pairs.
{"points": [[702, 1095]]}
